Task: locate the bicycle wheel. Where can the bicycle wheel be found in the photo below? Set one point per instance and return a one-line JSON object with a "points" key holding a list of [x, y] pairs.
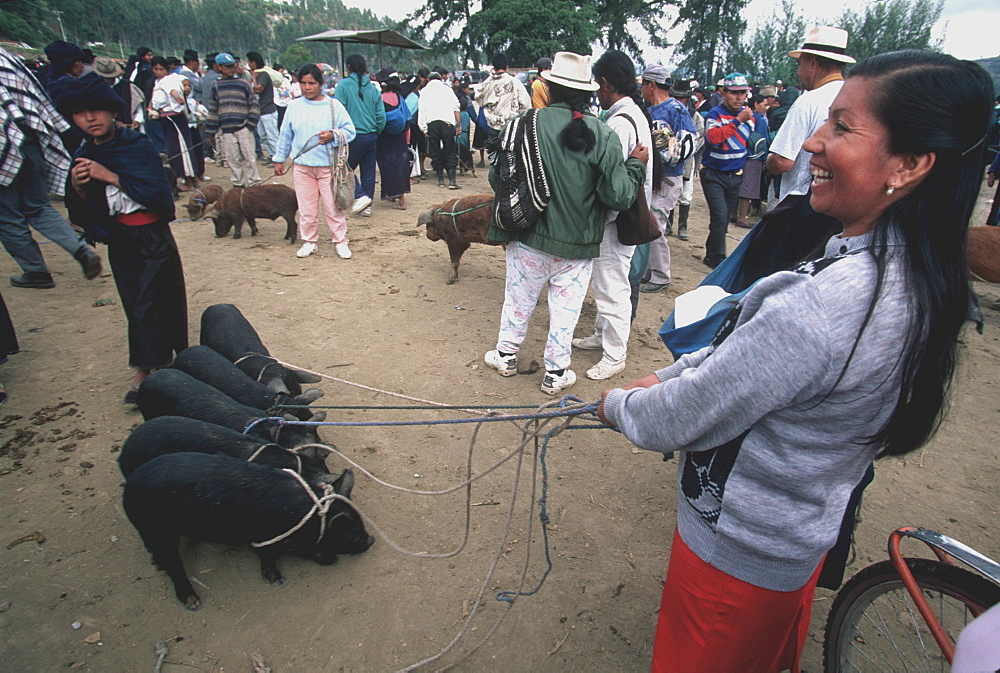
{"points": [[874, 624]]}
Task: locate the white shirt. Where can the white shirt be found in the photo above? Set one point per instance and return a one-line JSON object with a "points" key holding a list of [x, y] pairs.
{"points": [[437, 103], [807, 114], [162, 100], [627, 136]]}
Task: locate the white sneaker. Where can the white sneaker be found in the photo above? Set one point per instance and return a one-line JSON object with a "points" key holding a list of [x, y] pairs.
{"points": [[307, 249], [605, 369], [589, 343], [553, 385], [506, 365], [367, 212], [361, 204], [343, 251]]}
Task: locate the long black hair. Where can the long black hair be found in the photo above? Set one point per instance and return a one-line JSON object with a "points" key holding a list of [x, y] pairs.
{"points": [[617, 69], [932, 221], [576, 135], [357, 65]]}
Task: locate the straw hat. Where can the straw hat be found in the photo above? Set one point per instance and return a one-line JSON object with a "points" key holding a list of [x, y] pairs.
{"points": [[827, 42], [571, 70]]}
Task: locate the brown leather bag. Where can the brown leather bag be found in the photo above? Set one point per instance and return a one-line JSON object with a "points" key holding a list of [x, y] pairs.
{"points": [[636, 225]]}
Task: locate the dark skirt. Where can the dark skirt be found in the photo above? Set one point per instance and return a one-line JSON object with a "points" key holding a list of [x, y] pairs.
{"points": [[750, 187], [8, 338], [180, 153], [150, 280], [393, 159]]}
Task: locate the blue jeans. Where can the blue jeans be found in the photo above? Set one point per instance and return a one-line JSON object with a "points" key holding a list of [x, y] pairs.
{"points": [[268, 130], [26, 202], [362, 153]]}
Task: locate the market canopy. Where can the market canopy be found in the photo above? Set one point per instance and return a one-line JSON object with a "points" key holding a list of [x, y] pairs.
{"points": [[381, 37]]}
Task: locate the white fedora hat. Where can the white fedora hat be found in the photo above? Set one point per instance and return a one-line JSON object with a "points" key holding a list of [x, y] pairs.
{"points": [[571, 70], [827, 42]]}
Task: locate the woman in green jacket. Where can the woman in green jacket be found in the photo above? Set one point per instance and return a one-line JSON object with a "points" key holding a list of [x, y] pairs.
{"points": [[363, 101], [585, 175]]}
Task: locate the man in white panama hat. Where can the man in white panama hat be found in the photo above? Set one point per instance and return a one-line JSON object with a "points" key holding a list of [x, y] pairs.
{"points": [[821, 62]]}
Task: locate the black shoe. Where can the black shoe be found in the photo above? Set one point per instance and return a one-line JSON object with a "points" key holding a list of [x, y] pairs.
{"points": [[649, 288], [33, 279], [132, 396], [710, 263], [682, 232], [89, 260]]}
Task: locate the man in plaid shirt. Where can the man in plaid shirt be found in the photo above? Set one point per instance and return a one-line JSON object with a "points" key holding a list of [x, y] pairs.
{"points": [[33, 162]]}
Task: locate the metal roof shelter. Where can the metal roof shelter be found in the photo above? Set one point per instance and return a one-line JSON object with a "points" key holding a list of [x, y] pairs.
{"points": [[381, 37]]}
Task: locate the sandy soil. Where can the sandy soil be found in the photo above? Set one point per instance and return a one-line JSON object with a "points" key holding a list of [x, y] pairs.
{"points": [[386, 319]]}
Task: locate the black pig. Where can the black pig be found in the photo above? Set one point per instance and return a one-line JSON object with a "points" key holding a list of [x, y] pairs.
{"points": [[208, 366], [171, 392], [177, 434], [217, 499], [227, 332]]}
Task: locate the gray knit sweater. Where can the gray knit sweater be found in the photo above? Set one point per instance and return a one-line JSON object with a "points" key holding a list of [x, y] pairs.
{"points": [[773, 438]]}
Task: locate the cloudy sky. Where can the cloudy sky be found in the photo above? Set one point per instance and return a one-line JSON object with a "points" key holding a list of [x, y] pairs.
{"points": [[969, 26]]}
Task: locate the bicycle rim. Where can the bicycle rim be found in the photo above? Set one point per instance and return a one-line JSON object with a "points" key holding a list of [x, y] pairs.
{"points": [[874, 624]]}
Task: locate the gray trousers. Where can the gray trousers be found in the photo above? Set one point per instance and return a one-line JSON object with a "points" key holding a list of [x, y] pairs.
{"points": [[238, 151], [24, 203]]}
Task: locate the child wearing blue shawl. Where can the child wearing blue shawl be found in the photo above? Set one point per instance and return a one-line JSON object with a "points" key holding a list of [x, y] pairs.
{"points": [[118, 193]]}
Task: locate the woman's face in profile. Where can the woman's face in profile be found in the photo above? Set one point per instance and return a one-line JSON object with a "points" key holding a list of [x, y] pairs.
{"points": [[95, 123], [852, 165]]}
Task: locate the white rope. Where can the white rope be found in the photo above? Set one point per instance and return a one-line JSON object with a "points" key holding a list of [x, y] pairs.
{"points": [[320, 506]]}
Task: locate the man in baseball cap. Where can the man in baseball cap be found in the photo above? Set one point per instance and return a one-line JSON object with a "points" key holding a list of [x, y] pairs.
{"points": [[727, 129], [821, 58]]}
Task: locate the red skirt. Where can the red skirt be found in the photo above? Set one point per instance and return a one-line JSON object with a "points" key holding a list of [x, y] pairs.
{"points": [[711, 621]]}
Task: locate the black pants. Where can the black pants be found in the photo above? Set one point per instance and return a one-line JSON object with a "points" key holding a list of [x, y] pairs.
{"points": [[722, 192], [441, 146], [150, 280]]}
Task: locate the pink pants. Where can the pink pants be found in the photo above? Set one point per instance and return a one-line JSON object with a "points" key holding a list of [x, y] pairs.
{"points": [[312, 184]]}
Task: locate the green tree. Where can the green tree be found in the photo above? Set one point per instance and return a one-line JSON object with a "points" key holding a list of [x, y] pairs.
{"points": [[763, 53], [713, 32], [889, 25], [295, 56], [448, 25], [528, 29], [618, 19]]}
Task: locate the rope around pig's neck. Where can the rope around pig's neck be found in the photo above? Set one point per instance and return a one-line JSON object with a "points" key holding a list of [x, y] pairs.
{"points": [[320, 507]]}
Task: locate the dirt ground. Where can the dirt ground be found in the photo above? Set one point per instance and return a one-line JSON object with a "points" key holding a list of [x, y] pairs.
{"points": [[386, 319]]}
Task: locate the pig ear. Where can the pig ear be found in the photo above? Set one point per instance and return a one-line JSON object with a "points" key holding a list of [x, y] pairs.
{"points": [[306, 377], [318, 417], [309, 396], [277, 385], [315, 453], [344, 484]]}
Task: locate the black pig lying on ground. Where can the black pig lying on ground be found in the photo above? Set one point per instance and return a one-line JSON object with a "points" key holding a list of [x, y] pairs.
{"points": [[218, 499], [208, 366], [171, 392], [267, 201], [227, 332], [177, 434]]}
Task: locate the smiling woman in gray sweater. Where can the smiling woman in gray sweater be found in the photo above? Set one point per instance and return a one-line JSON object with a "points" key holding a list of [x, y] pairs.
{"points": [[818, 370]]}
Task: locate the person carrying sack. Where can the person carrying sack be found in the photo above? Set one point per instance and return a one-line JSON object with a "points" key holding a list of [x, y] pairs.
{"points": [[585, 176]]}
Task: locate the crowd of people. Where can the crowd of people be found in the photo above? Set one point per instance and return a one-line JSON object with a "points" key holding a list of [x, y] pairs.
{"points": [[843, 356]]}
